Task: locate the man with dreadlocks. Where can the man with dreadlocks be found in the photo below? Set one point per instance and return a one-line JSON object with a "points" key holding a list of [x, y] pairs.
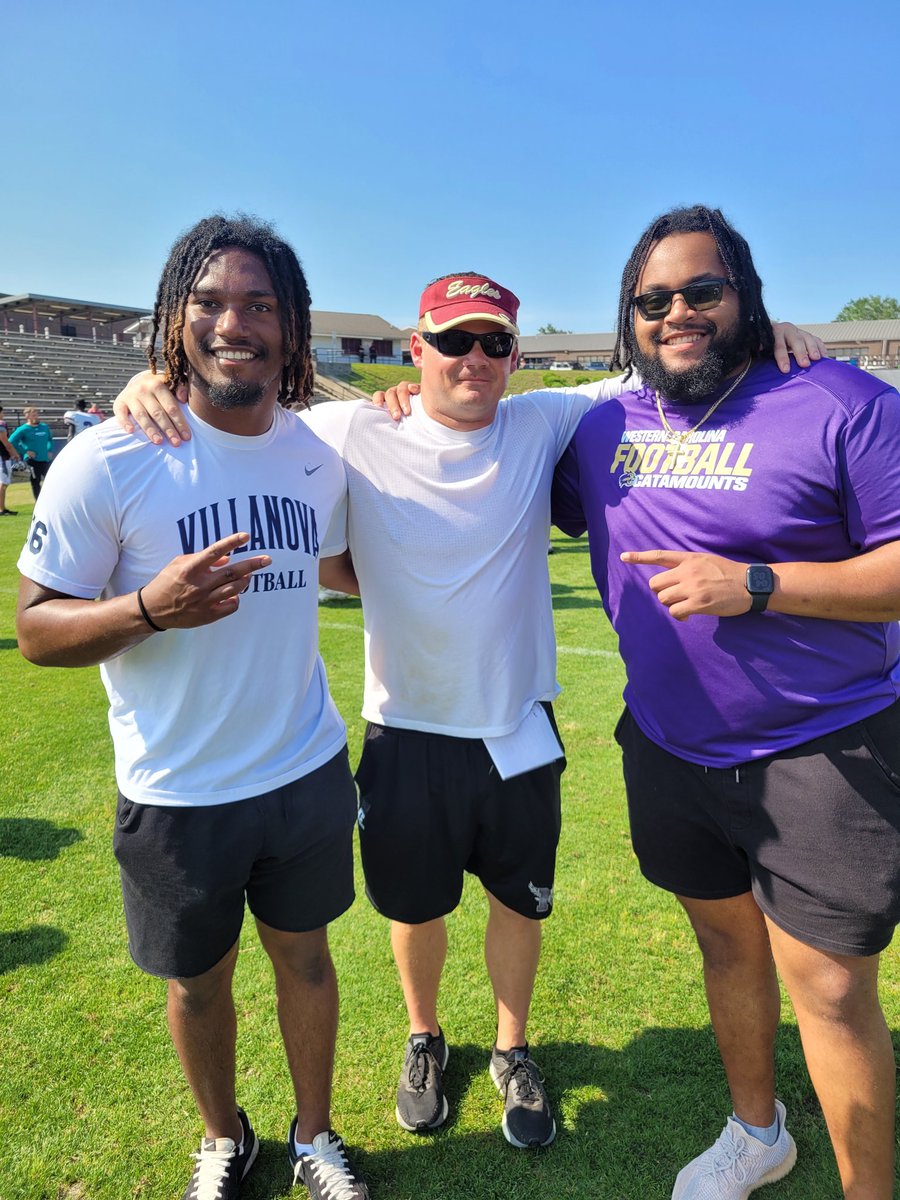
{"points": [[231, 758], [761, 735]]}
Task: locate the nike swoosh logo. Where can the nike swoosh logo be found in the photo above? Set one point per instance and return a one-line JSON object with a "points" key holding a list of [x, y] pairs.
{"points": [[312, 470]]}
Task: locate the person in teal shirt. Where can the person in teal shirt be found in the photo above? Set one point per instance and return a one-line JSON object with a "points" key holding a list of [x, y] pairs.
{"points": [[34, 442]]}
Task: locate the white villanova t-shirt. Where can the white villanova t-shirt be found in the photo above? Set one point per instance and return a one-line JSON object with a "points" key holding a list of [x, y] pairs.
{"points": [[448, 533], [232, 709]]}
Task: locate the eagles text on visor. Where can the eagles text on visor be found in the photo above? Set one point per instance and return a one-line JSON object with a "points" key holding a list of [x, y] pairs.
{"points": [[454, 299]]}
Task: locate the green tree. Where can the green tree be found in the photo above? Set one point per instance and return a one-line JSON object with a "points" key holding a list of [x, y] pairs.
{"points": [[870, 308], [552, 329]]}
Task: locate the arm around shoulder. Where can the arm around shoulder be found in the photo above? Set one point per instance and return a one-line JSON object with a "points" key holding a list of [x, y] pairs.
{"points": [[338, 574]]}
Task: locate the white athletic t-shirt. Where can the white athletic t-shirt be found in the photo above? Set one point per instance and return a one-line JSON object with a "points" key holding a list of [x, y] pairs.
{"points": [[448, 533], [81, 420], [232, 709]]}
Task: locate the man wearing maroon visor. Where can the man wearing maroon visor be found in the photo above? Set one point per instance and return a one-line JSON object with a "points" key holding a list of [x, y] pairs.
{"points": [[461, 765]]}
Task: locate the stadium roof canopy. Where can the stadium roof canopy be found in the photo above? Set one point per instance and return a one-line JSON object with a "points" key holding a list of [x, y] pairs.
{"points": [[60, 308]]}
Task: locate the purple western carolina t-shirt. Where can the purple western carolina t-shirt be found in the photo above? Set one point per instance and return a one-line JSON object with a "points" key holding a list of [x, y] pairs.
{"points": [[802, 467]]}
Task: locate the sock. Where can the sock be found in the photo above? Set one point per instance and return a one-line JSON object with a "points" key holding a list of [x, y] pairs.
{"points": [[767, 1134], [303, 1147], [239, 1146]]}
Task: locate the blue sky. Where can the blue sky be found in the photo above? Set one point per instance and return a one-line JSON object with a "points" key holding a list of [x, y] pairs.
{"points": [[394, 142]]}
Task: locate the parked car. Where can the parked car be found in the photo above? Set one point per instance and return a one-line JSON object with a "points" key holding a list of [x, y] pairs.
{"points": [[560, 366]]}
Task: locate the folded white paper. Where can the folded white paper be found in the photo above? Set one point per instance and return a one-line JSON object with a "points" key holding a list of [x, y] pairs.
{"points": [[532, 744]]}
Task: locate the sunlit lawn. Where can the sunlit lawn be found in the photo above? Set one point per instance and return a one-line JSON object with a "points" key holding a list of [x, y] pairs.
{"points": [[92, 1102]]}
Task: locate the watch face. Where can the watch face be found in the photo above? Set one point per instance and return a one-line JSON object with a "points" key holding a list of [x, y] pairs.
{"points": [[759, 579]]}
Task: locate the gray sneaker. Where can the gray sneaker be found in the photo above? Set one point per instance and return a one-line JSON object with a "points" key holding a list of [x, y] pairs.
{"points": [[736, 1164], [527, 1119], [421, 1103], [327, 1172]]}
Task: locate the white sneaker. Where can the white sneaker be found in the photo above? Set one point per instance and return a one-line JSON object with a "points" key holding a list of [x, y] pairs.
{"points": [[736, 1164]]}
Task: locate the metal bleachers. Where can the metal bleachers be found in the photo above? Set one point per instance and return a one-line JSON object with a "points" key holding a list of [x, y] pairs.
{"points": [[51, 373]]}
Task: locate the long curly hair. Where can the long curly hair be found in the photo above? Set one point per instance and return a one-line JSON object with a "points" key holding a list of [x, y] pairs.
{"points": [[736, 258], [184, 264]]}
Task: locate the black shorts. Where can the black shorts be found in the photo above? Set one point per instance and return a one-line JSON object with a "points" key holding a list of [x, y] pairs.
{"points": [[186, 871], [813, 832], [433, 807]]}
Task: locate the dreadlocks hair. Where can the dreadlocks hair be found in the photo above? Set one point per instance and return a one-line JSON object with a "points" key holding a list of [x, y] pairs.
{"points": [[186, 259], [736, 258]]}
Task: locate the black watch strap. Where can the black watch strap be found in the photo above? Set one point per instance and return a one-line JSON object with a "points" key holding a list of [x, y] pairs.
{"points": [[760, 583]]}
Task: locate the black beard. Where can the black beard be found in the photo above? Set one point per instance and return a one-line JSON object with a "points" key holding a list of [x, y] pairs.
{"points": [[234, 394], [726, 351]]}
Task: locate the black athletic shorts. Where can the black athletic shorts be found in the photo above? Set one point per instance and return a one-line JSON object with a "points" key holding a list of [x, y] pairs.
{"points": [[433, 807], [186, 871], [813, 831]]}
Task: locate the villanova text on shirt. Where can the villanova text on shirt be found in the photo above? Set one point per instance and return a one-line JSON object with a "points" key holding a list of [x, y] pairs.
{"points": [[273, 522]]}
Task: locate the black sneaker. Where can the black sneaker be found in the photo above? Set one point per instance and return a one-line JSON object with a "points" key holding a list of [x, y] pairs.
{"points": [[421, 1103], [8, 512], [527, 1119], [328, 1172], [222, 1166]]}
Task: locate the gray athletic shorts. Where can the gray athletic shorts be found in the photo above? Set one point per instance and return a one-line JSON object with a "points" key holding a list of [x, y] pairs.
{"points": [[433, 807], [186, 872], [813, 832]]}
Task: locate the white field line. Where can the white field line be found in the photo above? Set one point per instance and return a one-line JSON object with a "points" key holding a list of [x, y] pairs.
{"points": [[587, 652], [582, 651]]}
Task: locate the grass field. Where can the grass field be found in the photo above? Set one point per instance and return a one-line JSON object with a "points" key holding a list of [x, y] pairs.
{"points": [[92, 1103], [372, 377]]}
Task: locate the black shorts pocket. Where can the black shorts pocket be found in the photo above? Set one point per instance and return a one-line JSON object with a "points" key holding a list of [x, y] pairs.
{"points": [[617, 732], [128, 813], [881, 734]]}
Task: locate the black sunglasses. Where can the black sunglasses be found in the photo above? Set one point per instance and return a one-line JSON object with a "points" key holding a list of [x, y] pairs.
{"points": [[454, 343], [653, 306]]}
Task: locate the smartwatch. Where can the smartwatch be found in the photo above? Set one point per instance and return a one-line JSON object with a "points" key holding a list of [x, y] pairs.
{"points": [[760, 583]]}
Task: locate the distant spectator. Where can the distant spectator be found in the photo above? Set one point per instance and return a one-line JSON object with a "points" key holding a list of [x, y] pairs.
{"points": [[34, 442], [8, 455], [373, 352], [79, 418]]}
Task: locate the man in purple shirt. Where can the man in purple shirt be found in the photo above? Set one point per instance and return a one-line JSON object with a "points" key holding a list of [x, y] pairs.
{"points": [[745, 538]]}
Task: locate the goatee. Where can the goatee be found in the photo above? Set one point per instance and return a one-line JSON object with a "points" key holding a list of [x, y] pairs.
{"points": [[234, 394], [726, 351]]}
